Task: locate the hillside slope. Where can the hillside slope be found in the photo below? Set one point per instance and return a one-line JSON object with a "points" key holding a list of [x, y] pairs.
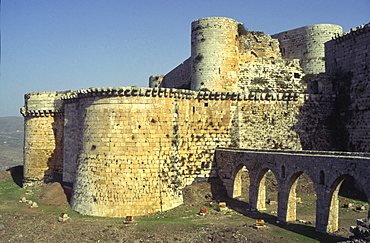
{"points": [[11, 142]]}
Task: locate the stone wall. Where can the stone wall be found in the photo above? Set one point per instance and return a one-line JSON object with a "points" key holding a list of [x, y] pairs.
{"points": [[130, 151], [265, 124], [43, 149], [348, 64], [126, 151], [43, 139], [317, 124], [155, 81], [73, 134], [256, 44], [307, 44], [271, 75], [179, 77], [349, 52], [327, 171]]}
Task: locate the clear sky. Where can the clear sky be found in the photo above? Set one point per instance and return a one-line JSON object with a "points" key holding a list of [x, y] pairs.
{"points": [[55, 45]]}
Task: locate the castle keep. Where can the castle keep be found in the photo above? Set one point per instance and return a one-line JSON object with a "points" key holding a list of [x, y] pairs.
{"points": [[131, 151]]}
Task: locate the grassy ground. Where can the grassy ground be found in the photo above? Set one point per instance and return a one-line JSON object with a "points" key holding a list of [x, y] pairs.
{"points": [[182, 224]]}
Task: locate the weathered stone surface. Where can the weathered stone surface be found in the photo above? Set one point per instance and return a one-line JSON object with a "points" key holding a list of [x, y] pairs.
{"points": [[348, 64], [307, 44], [130, 151], [327, 170]]}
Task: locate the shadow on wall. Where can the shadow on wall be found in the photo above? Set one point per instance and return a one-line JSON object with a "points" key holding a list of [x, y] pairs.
{"points": [[55, 161], [351, 188], [323, 118]]}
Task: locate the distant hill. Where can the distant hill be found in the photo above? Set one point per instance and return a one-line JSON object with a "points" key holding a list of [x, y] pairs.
{"points": [[11, 142]]}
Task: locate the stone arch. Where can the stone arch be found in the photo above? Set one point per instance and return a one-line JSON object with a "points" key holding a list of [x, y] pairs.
{"points": [[261, 188], [238, 182], [292, 201], [292, 194], [333, 214], [334, 204]]}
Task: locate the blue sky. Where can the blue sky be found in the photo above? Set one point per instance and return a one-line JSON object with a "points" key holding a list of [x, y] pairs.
{"points": [[54, 45]]}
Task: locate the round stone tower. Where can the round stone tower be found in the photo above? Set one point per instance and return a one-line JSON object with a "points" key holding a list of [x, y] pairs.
{"points": [[214, 54], [43, 137], [307, 43]]}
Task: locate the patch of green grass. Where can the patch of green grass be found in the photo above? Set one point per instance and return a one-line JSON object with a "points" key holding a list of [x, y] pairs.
{"points": [[292, 235], [176, 219], [9, 191]]}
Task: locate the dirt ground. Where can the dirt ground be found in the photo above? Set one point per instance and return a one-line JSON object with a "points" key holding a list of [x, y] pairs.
{"points": [[234, 223]]}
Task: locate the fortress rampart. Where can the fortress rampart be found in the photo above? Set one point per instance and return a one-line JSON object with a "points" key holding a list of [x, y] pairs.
{"points": [[43, 144], [348, 67], [179, 77], [221, 48], [349, 52], [131, 151]]}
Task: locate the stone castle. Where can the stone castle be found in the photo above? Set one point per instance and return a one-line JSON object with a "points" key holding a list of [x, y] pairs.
{"points": [[131, 151]]}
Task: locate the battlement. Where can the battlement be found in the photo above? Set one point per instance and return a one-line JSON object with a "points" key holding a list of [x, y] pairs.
{"points": [[132, 150], [362, 29], [176, 93], [43, 103], [223, 51]]}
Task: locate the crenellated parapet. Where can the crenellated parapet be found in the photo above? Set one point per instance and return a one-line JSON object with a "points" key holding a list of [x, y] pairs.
{"points": [[43, 140], [41, 104], [362, 29], [38, 113], [178, 94], [132, 150], [113, 143]]}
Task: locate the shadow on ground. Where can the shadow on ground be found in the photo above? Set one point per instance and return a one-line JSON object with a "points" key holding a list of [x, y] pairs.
{"points": [[54, 189], [219, 194], [17, 174]]}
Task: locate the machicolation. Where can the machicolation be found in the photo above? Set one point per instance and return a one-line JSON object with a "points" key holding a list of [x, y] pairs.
{"points": [[131, 151]]}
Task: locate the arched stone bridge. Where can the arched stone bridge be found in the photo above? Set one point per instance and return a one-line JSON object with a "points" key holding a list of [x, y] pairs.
{"points": [[327, 171]]}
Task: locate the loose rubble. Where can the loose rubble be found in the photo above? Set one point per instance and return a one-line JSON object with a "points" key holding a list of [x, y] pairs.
{"points": [[361, 232]]}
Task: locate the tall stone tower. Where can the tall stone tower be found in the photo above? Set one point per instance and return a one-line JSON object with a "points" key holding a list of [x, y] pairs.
{"points": [[307, 43], [43, 137], [214, 54]]}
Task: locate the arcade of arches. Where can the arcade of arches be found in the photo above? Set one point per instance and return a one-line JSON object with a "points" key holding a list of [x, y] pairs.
{"points": [[325, 170]]}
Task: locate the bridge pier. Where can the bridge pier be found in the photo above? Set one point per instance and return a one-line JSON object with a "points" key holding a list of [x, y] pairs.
{"points": [[327, 171], [322, 210], [261, 193], [283, 206], [253, 194]]}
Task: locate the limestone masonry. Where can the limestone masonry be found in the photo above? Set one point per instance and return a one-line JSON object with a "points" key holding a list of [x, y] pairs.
{"points": [[131, 151]]}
